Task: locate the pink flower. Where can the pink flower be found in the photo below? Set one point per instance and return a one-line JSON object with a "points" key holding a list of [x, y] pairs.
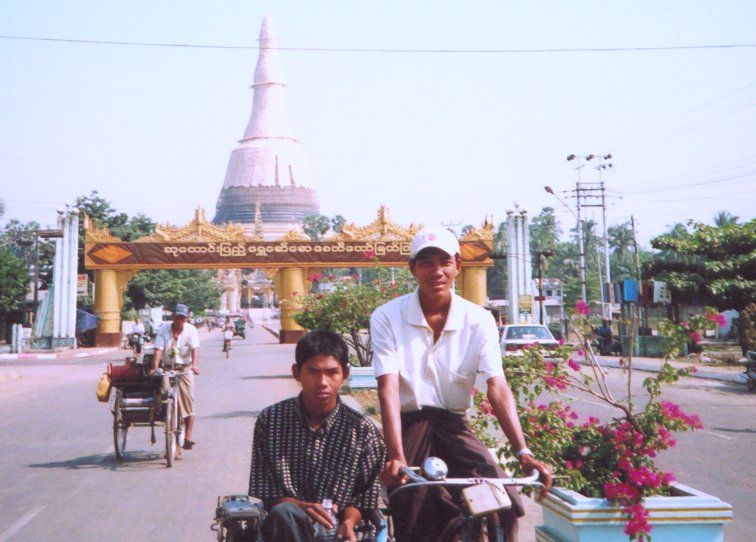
{"points": [[485, 407], [581, 352], [717, 318], [549, 366], [695, 337], [561, 342], [582, 308], [574, 365]]}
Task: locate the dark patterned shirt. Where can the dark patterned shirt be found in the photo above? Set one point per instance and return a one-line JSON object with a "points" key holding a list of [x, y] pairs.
{"points": [[341, 460]]}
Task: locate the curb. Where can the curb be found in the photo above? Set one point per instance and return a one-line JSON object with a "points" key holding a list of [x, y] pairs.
{"points": [[89, 352], [275, 333], [640, 366]]}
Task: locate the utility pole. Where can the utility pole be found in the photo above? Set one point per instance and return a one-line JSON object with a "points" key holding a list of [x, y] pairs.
{"points": [[586, 195], [581, 248], [637, 267], [539, 256]]}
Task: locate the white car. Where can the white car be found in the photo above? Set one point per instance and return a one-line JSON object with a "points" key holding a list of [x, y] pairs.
{"points": [[516, 337]]}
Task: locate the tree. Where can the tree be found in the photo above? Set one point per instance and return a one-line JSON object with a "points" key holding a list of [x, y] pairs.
{"points": [[337, 223], [137, 226], [166, 287], [316, 226], [347, 309], [12, 285], [19, 238], [496, 276], [723, 218], [621, 241], [716, 263], [544, 230]]}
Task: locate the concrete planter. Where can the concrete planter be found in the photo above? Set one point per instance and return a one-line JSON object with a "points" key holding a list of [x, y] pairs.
{"points": [[690, 515], [362, 377]]}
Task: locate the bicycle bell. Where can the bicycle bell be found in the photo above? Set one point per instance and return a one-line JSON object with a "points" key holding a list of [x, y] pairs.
{"points": [[434, 468]]}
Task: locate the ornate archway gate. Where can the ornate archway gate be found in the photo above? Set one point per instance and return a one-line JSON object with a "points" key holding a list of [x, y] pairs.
{"points": [[202, 245]]}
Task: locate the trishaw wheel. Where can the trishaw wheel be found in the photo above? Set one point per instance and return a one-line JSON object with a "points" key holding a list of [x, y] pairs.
{"points": [[170, 432], [120, 430]]}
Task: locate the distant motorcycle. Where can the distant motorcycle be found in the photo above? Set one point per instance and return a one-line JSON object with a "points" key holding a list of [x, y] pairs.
{"points": [[136, 340], [749, 375]]}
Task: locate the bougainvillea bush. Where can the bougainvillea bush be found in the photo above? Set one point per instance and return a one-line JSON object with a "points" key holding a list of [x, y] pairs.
{"points": [[612, 458], [347, 309]]}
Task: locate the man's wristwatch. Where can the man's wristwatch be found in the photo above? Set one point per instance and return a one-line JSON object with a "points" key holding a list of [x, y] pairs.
{"points": [[525, 451]]}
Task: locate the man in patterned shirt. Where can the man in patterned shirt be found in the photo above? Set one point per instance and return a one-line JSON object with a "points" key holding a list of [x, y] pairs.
{"points": [[313, 447]]}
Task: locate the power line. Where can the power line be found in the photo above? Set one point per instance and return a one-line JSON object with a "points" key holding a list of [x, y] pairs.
{"points": [[688, 112], [381, 50]]}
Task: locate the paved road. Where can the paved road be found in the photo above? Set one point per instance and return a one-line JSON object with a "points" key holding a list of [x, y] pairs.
{"points": [[60, 481]]}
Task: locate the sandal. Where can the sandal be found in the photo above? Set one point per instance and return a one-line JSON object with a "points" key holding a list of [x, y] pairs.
{"points": [[188, 444]]}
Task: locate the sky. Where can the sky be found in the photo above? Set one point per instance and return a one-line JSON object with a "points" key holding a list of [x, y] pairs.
{"points": [[438, 137]]}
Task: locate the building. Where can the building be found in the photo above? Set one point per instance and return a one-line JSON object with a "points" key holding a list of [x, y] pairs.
{"points": [[267, 185], [266, 188]]}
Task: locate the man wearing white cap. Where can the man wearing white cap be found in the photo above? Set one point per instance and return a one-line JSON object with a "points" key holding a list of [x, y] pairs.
{"points": [[178, 342], [428, 347]]}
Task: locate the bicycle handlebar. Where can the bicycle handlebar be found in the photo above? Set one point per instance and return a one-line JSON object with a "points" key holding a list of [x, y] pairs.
{"points": [[416, 480]]}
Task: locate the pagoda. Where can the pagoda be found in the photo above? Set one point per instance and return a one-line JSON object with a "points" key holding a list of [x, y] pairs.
{"points": [[266, 188]]}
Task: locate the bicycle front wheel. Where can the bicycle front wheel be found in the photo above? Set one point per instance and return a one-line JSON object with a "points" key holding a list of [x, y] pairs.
{"points": [[170, 431], [120, 429]]}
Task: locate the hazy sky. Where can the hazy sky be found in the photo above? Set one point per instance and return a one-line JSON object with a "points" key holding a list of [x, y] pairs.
{"points": [[439, 137]]}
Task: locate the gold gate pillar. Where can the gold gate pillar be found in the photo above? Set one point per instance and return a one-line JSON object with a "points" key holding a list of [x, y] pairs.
{"points": [[109, 288], [473, 284], [107, 305], [291, 283]]}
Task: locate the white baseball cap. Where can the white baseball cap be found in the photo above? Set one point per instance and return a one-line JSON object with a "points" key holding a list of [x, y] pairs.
{"points": [[436, 237]]}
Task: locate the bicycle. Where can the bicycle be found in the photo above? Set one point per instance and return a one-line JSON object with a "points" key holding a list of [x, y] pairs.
{"points": [[481, 496], [228, 336], [140, 402]]}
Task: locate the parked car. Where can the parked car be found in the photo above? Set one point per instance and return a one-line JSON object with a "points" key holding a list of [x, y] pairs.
{"points": [[516, 337]]}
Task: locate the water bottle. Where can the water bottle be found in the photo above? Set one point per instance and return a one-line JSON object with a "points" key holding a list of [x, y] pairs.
{"points": [[324, 534]]}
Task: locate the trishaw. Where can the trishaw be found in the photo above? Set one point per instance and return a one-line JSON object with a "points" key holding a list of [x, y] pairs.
{"points": [[240, 328], [143, 400]]}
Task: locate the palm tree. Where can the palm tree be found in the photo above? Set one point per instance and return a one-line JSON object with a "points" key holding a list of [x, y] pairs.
{"points": [[723, 218], [621, 239]]}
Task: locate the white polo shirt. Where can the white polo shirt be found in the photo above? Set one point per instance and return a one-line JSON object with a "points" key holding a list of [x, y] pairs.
{"points": [[182, 347], [438, 375]]}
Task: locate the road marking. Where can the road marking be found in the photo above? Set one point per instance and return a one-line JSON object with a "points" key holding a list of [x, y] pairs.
{"points": [[718, 435], [21, 523]]}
